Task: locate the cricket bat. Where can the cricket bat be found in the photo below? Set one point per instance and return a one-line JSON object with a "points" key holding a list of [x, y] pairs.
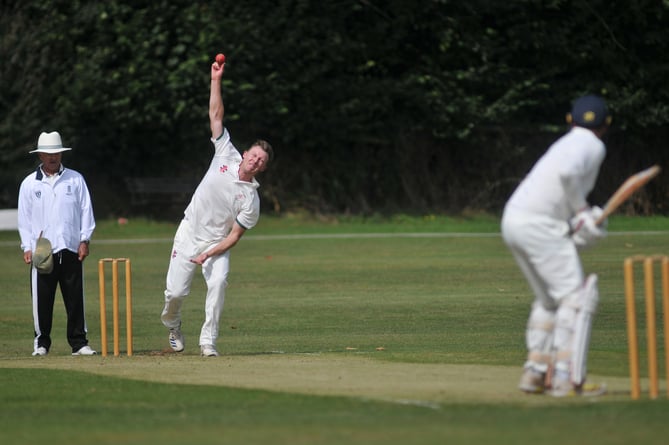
{"points": [[631, 185]]}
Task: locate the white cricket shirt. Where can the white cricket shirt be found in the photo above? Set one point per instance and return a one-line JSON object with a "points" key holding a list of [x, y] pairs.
{"points": [[574, 160], [222, 198]]}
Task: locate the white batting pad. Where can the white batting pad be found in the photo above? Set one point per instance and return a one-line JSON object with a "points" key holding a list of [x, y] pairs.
{"points": [[582, 329]]}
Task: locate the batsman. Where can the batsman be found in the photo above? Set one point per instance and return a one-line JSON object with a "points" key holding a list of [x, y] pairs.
{"points": [[545, 223]]}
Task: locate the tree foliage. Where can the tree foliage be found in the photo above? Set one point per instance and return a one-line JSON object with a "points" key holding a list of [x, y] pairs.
{"points": [[430, 106]]}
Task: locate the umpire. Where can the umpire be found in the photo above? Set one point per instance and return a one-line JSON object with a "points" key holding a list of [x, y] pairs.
{"points": [[55, 225]]}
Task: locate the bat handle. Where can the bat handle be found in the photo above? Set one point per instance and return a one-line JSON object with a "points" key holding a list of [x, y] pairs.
{"points": [[601, 219]]}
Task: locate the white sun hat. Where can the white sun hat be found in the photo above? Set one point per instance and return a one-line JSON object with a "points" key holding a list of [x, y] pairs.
{"points": [[50, 143]]}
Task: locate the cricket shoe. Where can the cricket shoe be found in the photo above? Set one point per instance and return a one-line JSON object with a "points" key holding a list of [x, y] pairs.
{"points": [[40, 351], [564, 388], [532, 381], [176, 339], [208, 351], [85, 350]]}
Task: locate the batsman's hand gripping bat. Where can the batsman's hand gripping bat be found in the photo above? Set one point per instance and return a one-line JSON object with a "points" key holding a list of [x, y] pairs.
{"points": [[631, 185]]}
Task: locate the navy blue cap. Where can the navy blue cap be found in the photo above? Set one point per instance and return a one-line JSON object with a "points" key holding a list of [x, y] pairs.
{"points": [[589, 112]]}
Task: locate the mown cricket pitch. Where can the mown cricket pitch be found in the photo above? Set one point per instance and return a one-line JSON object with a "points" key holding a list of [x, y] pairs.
{"points": [[321, 374]]}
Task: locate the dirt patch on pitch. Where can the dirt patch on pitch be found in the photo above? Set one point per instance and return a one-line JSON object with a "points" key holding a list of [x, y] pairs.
{"points": [[320, 374]]}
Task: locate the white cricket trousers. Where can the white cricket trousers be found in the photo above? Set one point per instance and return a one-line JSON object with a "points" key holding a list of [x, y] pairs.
{"points": [[180, 276], [545, 254], [550, 262]]}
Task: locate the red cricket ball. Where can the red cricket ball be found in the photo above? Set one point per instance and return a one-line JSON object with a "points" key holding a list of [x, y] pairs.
{"points": [[220, 59]]}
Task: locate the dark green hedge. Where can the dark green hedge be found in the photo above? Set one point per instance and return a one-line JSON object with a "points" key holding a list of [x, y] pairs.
{"points": [[372, 106]]}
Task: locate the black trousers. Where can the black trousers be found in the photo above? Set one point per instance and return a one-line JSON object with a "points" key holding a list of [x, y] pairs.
{"points": [[68, 273]]}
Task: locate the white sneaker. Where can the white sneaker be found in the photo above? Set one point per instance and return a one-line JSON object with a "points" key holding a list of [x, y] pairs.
{"points": [[208, 351], [561, 387], [532, 381], [40, 351], [176, 339], [564, 388], [85, 350]]}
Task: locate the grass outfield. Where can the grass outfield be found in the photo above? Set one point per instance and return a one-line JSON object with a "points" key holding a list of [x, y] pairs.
{"points": [[409, 330]]}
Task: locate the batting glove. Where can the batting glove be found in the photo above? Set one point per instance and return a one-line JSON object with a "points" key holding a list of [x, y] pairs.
{"points": [[584, 229]]}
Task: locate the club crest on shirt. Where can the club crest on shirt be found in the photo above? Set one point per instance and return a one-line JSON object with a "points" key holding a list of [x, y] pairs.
{"points": [[239, 197], [38, 194], [223, 168]]}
